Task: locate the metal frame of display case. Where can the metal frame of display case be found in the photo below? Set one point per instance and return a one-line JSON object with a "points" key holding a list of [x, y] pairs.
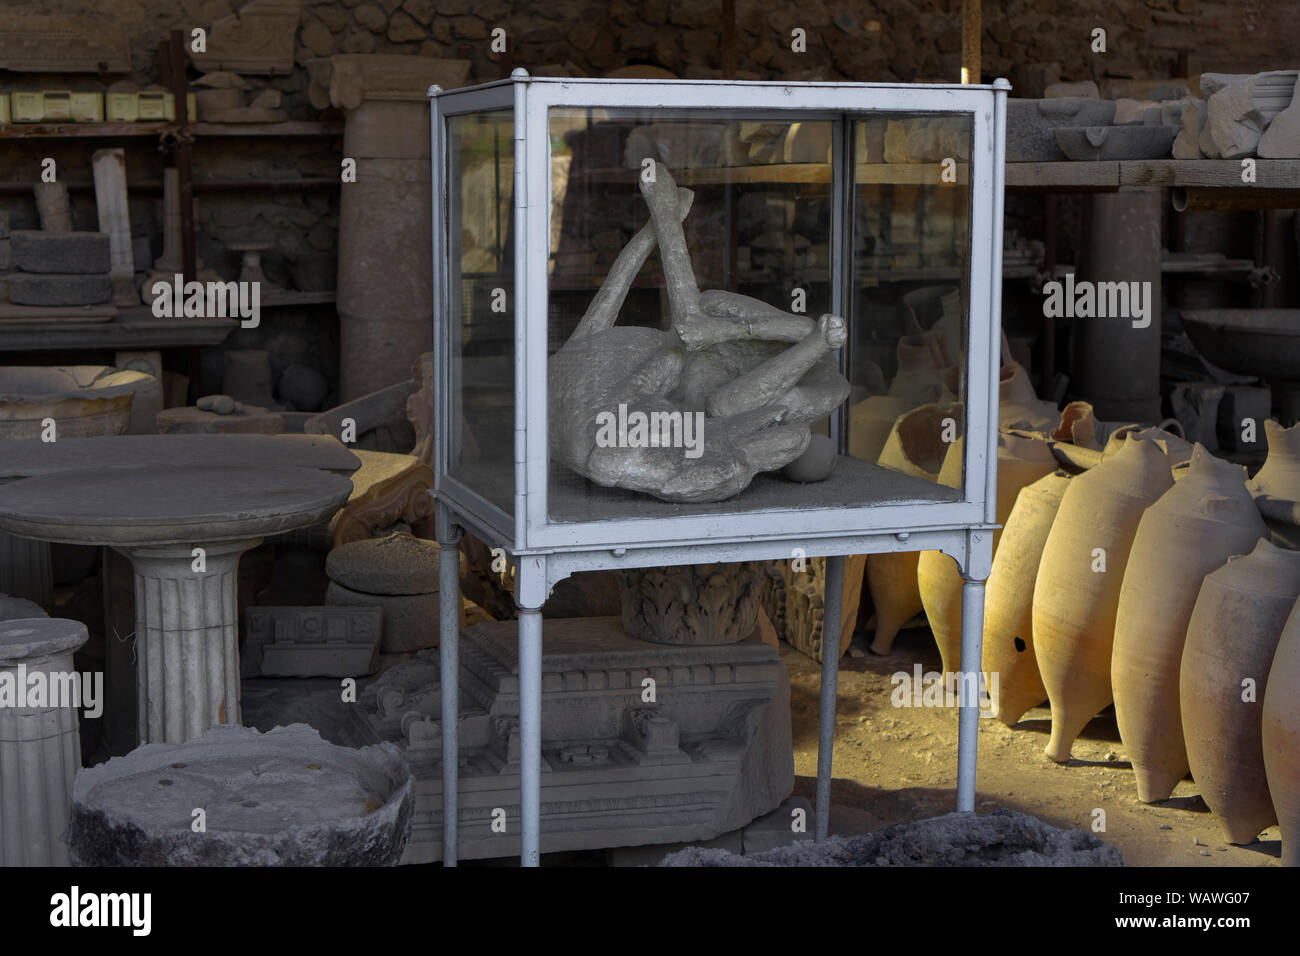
{"points": [[543, 552]]}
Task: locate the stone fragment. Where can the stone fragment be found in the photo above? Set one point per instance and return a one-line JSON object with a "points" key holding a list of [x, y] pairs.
{"points": [[267, 100], [59, 289], [62, 44], [303, 388], [211, 103], [1281, 140], [1196, 406], [16, 608], [1129, 111], [1242, 414], [70, 253], [397, 564], [256, 38], [1115, 142], [1001, 838], [311, 641], [1234, 124], [1030, 125], [283, 798], [218, 404], [410, 621], [52, 206], [246, 376], [1187, 142], [1085, 88], [242, 420]]}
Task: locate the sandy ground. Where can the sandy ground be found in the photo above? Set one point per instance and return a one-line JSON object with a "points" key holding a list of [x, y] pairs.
{"points": [[894, 764]]}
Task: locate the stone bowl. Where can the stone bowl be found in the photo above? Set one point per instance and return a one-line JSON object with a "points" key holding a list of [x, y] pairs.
{"points": [[1260, 342], [283, 798], [84, 400], [1116, 142]]}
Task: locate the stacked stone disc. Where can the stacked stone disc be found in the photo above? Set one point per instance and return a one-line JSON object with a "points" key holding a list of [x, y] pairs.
{"points": [[59, 268]]}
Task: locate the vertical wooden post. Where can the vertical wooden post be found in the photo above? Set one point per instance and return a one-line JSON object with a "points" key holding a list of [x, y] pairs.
{"points": [[184, 174], [971, 27], [729, 39]]}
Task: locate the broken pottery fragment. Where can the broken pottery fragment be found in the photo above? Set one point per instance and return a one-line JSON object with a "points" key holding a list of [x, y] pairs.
{"points": [[1076, 593], [1231, 639], [1193, 529], [1115, 142]]}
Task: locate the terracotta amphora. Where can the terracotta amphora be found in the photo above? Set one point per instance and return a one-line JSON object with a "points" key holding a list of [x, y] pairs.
{"points": [[1009, 600], [1280, 476], [1231, 639], [1020, 462], [1281, 737], [870, 422], [915, 447], [1207, 517], [1076, 593], [1018, 405]]}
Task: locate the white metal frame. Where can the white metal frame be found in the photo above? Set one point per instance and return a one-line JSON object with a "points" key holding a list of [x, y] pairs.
{"points": [[544, 552]]}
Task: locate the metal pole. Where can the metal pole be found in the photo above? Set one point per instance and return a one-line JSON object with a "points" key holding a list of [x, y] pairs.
{"points": [[972, 648], [530, 734], [448, 535], [830, 678]]}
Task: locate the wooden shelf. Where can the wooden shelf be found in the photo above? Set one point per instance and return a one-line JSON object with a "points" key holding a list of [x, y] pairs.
{"points": [[900, 174], [79, 130], [118, 130], [1109, 176], [287, 128]]}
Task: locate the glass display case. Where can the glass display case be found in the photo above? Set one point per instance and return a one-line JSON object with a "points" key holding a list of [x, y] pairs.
{"points": [[714, 321], [646, 311]]}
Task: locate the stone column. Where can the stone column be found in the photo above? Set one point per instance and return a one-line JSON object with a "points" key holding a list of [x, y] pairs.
{"points": [[25, 570], [40, 749], [1115, 366], [385, 287], [187, 639]]}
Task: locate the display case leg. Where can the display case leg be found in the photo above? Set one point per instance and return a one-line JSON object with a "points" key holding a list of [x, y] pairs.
{"points": [[530, 734], [448, 535], [830, 679], [972, 647]]}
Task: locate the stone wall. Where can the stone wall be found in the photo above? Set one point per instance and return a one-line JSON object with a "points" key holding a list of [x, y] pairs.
{"points": [[882, 41]]}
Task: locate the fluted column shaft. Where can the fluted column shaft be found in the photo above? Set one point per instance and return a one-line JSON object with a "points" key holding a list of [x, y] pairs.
{"points": [[187, 639], [40, 751]]}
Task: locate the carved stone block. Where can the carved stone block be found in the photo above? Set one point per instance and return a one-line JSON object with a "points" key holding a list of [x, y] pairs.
{"points": [[311, 641], [36, 44], [707, 755], [256, 38], [692, 604]]}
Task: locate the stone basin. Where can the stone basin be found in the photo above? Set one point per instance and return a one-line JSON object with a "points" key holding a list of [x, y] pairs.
{"points": [[283, 798], [83, 400], [1116, 142], [1259, 342]]}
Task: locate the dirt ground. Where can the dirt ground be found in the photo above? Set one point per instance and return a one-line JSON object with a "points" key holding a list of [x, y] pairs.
{"points": [[894, 764]]}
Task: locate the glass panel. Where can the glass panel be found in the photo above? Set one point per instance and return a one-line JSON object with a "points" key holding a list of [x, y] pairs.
{"points": [[910, 293], [690, 366], [675, 352], [480, 216]]}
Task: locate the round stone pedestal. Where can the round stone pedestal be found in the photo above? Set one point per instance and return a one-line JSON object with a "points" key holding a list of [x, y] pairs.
{"points": [[283, 798], [40, 750]]}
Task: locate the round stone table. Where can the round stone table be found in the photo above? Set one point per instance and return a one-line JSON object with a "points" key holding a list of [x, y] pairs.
{"points": [[183, 527]]}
